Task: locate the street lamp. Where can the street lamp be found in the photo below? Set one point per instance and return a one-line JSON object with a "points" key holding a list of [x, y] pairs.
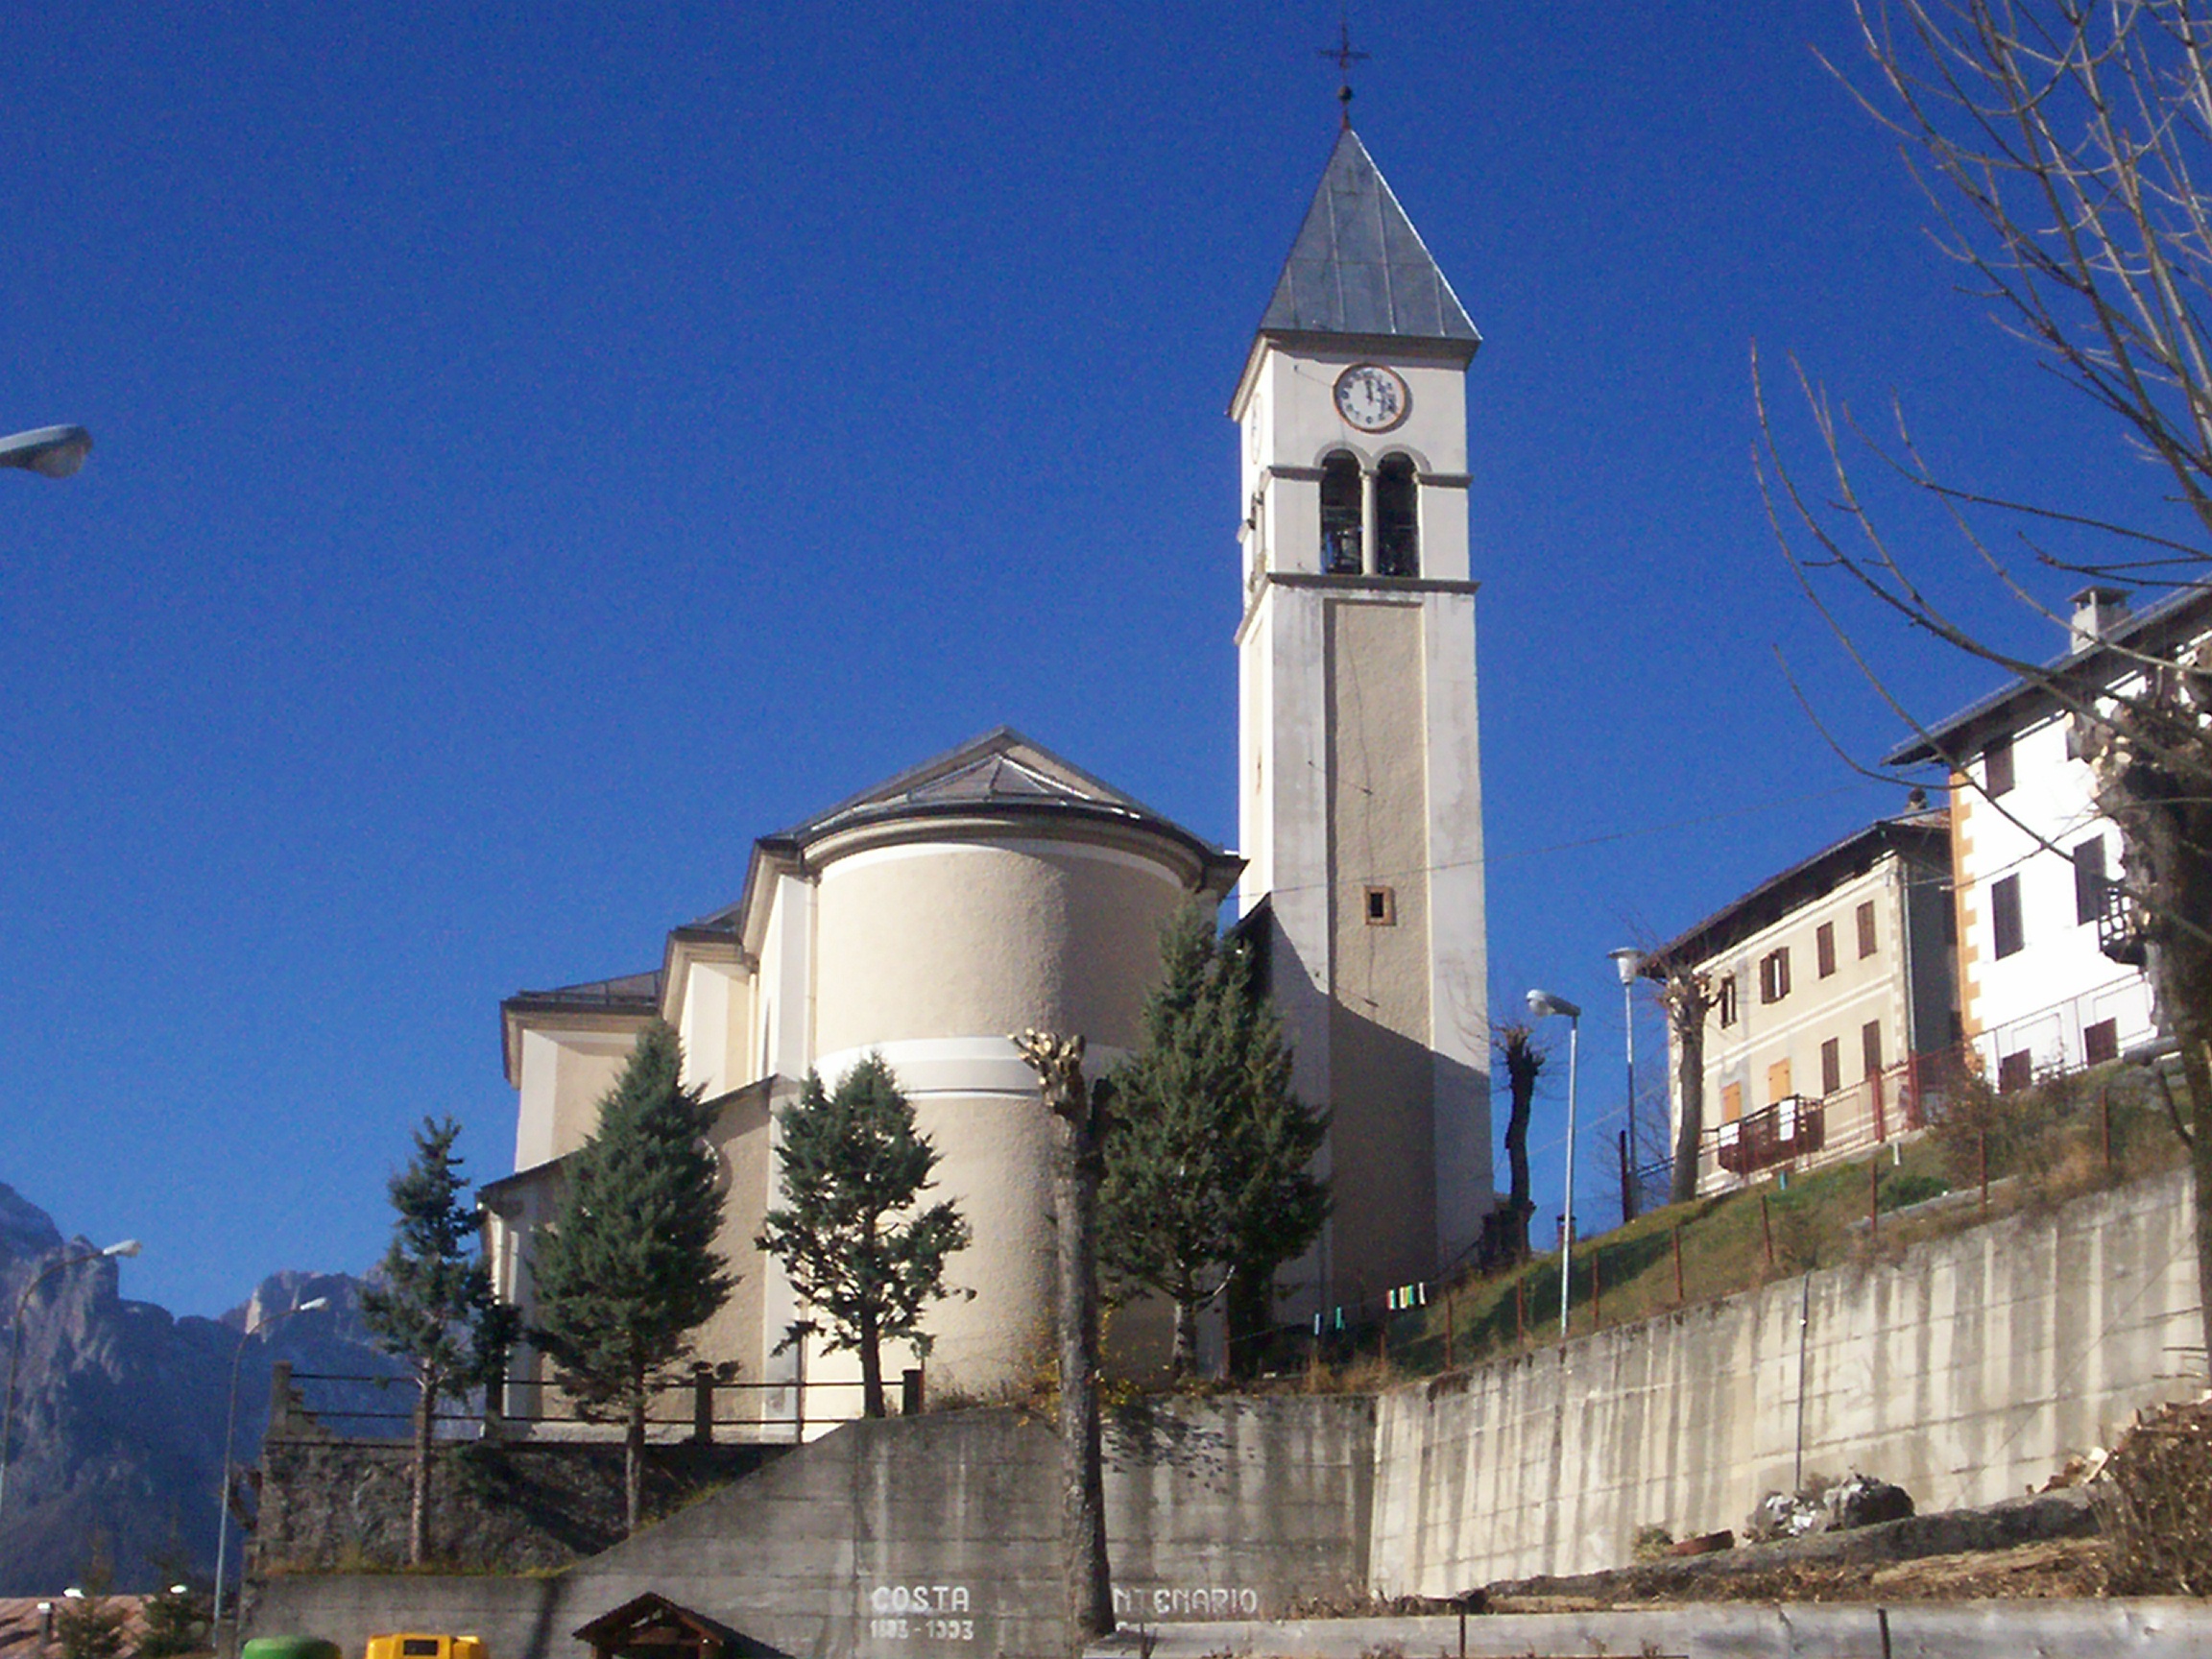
{"points": [[230, 1430], [128, 1247], [50, 451], [1630, 962], [1540, 1005]]}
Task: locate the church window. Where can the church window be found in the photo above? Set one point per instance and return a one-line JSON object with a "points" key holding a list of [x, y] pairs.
{"points": [[1381, 907], [1397, 518], [1341, 492]]}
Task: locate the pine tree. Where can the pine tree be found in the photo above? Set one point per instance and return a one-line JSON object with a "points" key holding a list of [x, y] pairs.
{"points": [[629, 1270], [176, 1620], [851, 1240], [1208, 1181], [433, 1304]]}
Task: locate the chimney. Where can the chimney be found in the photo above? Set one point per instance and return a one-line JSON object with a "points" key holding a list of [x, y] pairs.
{"points": [[2097, 612]]}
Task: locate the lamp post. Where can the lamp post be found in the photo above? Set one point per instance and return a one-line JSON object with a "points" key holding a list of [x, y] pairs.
{"points": [[50, 451], [128, 1247], [1540, 1005], [1630, 962], [230, 1430]]}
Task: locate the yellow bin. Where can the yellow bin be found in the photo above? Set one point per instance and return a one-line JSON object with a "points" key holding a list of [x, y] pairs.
{"points": [[414, 1647]]}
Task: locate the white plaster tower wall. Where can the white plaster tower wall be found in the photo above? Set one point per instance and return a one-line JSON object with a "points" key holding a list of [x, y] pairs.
{"points": [[1360, 783]]}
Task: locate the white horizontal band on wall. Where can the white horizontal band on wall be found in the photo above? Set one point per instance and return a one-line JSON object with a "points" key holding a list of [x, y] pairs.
{"points": [[971, 1066], [1050, 852]]}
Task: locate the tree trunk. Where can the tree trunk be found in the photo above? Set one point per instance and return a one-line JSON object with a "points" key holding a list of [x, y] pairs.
{"points": [[634, 1457], [419, 1493], [1689, 998], [1077, 1163], [1249, 1318], [871, 1369], [1184, 1359]]}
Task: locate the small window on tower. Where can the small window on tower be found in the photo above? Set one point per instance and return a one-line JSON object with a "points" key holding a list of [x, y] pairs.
{"points": [[1381, 907], [1397, 518], [1340, 514]]}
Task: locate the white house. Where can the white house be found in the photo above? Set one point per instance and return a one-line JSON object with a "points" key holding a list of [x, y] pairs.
{"points": [[2046, 982]]}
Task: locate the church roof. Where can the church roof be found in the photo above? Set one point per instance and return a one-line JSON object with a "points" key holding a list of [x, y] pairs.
{"points": [[1001, 768], [630, 992], [1359, 266]]}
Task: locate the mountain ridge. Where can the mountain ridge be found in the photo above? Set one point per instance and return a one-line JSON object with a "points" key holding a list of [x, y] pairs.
{"points": [[116, 1450]]}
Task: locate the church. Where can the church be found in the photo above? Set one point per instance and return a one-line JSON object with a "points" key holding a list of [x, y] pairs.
{"points": [[998, 887]]}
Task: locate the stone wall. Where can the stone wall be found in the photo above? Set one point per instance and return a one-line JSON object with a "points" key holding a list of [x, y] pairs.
{"points": [[332, 1505], [1964, 1372]]}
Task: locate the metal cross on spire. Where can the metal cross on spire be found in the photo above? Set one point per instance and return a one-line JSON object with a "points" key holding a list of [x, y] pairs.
{"points": [[1344, 58]]}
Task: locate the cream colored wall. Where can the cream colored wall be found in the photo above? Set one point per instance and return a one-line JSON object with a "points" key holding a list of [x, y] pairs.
{"points": [[933, 953], [1382, 1141], [967, 939], [565, 1072], [717, 1026], [741, 1137]]}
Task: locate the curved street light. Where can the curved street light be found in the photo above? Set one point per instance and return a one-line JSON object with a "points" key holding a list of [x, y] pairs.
{"points": [[1540, 1005], [230, 1429], [50, 451], [128, 1247]]}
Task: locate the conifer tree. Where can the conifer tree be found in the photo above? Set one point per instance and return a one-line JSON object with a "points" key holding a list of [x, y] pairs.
{"points": [[629, 1268], [176, 1620], [851, 1240], [432, 1305], [1208, 1181]]}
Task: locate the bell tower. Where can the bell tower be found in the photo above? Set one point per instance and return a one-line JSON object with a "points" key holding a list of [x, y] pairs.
{"points": [[1360, 800]]}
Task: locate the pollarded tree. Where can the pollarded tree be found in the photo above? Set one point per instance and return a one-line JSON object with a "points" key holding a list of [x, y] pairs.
{"points": [[431, 1304], [850, 1238], [1523, 1061], [2059, 143], [1208, 1181], [629, 1268]]}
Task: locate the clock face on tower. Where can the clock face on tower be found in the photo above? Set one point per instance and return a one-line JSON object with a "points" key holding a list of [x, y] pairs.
{"points": [[1372, 398]]}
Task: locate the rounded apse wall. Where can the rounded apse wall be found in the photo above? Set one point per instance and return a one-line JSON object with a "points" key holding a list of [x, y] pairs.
{"points": [[933, 948]]}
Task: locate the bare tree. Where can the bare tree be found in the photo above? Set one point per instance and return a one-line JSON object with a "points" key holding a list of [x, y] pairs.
{"points": [[1523, 1060], [2057, 141], [1078, 1130], [1688, 997]]}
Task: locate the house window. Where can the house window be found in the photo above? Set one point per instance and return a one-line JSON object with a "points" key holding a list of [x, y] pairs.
{"points": [[1731, 1102], [2101, 1042], [1778, 1082], [1728, 1000], [1865, 929], [2015, 1070], [1824, 948], [1381, 907], [2005, 916], [1997, 766], [1397, 518], [1775, 975], [1870, 1047], [1831, 1066], [1340, 514], [2089, 879]]}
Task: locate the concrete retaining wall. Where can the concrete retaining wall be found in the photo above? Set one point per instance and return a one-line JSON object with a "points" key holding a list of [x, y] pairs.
{"points": [[938, 1533], [1963, 1373]]}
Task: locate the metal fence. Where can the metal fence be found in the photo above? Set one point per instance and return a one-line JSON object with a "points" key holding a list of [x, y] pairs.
{"points": [[702, 1409]]}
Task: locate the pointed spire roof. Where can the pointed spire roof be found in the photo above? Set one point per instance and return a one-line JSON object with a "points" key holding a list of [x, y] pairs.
{"points": [[1359, 266]]}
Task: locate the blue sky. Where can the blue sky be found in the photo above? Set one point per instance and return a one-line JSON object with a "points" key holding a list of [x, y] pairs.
{"points": [[542, 447]]}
